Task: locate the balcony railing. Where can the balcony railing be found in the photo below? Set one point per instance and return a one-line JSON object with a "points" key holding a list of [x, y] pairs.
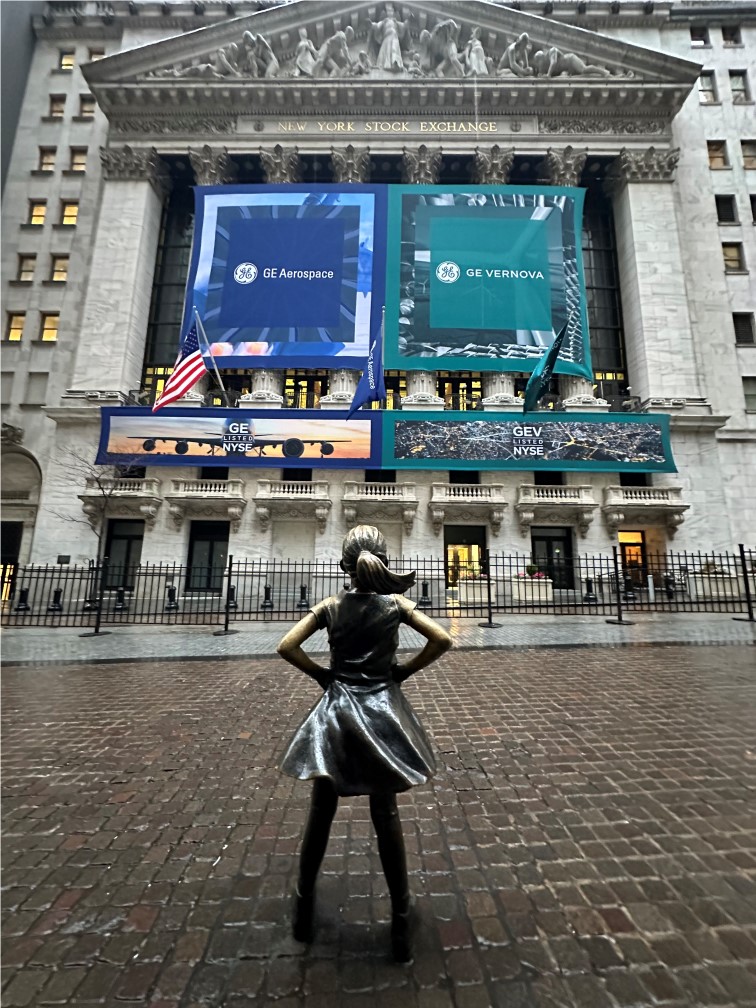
{"points": [[308, 499], [576, 501], [458, 501], [148, 487], [630, 504], [361, 500], [212, 499]]}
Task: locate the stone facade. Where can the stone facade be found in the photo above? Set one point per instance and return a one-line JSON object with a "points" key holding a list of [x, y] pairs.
{"points": [[353, 83]]}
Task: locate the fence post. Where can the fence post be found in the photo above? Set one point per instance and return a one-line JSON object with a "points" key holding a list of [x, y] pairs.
{"points": [[490, 623], [103, 571], [748, 595], [230, 603], [618, 592]]}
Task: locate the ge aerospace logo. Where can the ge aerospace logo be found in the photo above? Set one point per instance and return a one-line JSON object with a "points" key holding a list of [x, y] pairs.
{"points": [[245, 273], [448, 272]]}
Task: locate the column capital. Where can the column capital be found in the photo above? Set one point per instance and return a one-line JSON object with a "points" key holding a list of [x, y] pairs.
{"points": [[281, 164], [350, 164], [650, 165], [492, 167], [211, 166], [563, 168], [134, 164], [421, 166]]}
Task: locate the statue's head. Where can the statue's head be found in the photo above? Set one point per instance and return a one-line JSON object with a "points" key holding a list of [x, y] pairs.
{"points": [[389, 10], [303, 33]]}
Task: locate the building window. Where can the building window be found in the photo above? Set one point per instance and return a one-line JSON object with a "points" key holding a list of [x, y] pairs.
{"points": [[57, 106], [748, 149], [78, 162], [86, 106], [96, 54], [66, 59], [752, 198], [46, 159], [699, 38], [743, 325], [37, 212], [717, 153], [48, 330], [59, 268], [304, 389], [731, 35], [733, 257], [707, 88], [14, 328], [26, 264], [749, 391], [727, 211], [460, 390], [69, 212], [741, 94]]}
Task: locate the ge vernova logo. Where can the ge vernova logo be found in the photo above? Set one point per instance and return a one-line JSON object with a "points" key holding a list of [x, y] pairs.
{"points": [[449, 272], [247, 273]]}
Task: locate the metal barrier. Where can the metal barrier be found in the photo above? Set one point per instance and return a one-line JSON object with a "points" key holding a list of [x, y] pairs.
{"points": [[106, 594]]}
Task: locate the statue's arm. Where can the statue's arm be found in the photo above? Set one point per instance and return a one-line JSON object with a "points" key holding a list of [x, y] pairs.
{"points": [[290, 649], [438, 643]]}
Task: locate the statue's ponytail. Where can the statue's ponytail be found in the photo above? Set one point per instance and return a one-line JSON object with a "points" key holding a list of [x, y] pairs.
{"points": [[363, 557]]}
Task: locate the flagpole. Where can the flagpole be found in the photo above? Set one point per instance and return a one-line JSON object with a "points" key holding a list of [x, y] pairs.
{"points": [[210, 355]]}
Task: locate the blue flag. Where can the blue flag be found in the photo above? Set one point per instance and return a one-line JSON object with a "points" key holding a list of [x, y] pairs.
{"points": [[371, 387], [539, 380]]}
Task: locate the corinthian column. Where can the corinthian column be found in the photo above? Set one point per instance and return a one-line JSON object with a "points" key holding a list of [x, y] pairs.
{"points": [[350, 164], [421, 166], [658, 337], [281, 164], [492, 167], [266, 390], [110, 349], [212, 167], [562, 168]]}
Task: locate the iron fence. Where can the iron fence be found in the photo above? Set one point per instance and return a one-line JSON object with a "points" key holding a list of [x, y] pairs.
{"points": [[105, 593]]}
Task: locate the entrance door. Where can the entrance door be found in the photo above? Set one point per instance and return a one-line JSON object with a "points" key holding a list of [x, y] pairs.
{"points": [[464, 548], [208, 551], [123, 548], [633, 551], [10, 546], [551, 549]]}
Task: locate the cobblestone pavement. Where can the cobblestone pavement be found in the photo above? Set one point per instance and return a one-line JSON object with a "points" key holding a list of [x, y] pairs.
{"points": [[127, 643], [590, 839]]}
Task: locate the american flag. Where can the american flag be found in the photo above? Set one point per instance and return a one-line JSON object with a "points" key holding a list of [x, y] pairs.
{"points": [[187, 370]]}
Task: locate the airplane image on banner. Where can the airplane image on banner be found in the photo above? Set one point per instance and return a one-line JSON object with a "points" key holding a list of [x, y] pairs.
{"points": [[239, 438]]}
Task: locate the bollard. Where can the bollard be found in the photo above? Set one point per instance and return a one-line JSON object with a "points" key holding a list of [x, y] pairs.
{"points": [[303, 600], [90, 604], [267, 602], [120, 602], [590, 596], [231, 602], [424, 602], [171, 603], [56, 605], [669, 587], [23, 601], [628, 593]]}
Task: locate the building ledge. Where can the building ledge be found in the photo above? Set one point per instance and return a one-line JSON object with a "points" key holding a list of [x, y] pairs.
{"points": [[461, 501], [555, 503], [107, 497], [221, 500], [375, 502], [658, 505], [292, 499]]}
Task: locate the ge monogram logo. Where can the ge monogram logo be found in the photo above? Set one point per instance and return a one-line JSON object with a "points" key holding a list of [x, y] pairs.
{"points": [[245, 273], [448, 272]]}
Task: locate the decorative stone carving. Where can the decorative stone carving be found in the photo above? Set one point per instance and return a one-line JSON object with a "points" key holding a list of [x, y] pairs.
{"points": [[563, 169], [333, 59], [651, 165], [12, 435], [386, 40], [474, 58], [438, 48], [598, 126], [421, 166], [250, 57], [552, 62], [128, 164], [492, 168], [341, 388], [321, 516], [281, 164], [263, 516], [211, 167], [350, 164], [305, 57], [516, 58], [189, 125]]}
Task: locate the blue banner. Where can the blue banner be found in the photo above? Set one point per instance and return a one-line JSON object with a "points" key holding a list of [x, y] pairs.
{"points": [[290, 275]]}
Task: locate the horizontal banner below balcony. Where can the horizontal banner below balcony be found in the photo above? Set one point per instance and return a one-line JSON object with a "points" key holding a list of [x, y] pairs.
{"points": [[322, 439], [598, 442]]}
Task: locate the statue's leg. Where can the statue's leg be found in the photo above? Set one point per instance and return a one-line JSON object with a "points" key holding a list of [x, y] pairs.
{"points": [[388, 829], [314, 843]]}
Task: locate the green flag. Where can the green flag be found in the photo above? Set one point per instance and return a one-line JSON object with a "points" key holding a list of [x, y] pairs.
{"points": [[542, 372]]}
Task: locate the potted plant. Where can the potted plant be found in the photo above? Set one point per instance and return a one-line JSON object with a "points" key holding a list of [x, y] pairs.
{"points": [[713, 581], [532, 586]]}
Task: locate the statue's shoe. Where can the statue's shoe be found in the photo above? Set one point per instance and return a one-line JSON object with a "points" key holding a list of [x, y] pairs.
{"points": [[401, 936], [302, 919]]}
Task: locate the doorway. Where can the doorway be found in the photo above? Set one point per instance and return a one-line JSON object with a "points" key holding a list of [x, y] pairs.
{"points": [[551, 549], [465, 552], [123, 548], [633, 552], [10, 546], [208, 551]]}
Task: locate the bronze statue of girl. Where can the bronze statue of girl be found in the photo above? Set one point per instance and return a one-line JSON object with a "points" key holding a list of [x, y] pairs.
{"points": [[362, 737]]}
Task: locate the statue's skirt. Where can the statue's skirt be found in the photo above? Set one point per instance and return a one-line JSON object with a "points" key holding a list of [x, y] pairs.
{"points": [[365, 738]]}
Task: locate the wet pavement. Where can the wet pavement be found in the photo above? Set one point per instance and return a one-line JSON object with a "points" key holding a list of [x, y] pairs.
{"points": [[590, 839]]}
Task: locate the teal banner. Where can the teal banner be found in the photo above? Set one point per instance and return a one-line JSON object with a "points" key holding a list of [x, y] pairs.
{"points": [[483, 277], [592, 442]]}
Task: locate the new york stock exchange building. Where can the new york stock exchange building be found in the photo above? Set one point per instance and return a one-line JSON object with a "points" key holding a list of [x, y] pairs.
{"points": [[616, 139]]}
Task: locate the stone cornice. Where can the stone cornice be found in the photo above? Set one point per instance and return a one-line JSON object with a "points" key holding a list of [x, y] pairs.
{"points": [[134, 164], [650, 165]]}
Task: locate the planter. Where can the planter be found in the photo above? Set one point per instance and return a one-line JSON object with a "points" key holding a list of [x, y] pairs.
{"points": [[475, 593], [532, 591], [716, 586]]}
